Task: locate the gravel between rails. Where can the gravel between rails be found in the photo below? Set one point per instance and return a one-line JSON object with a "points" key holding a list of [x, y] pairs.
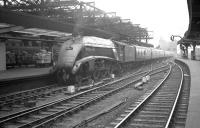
{"points": [[100, 107], [125, 97]]}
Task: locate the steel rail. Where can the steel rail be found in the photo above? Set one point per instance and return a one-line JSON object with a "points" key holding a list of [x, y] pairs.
{"points": [[142, 102], [53, 103], [66, 111], [18, 114], [88, 102], [21, 96], [176, 100]]}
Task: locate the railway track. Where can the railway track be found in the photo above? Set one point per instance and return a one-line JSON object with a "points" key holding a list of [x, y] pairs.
{"points": [[156, 107], [39, 116], [22, 98], [25, 98], [24, 83], [19, 97], [8, 101], [29, 97], [180, 114]]}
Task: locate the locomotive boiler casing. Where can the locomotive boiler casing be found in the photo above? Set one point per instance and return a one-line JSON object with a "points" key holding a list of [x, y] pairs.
{"points": [[82, 52]]}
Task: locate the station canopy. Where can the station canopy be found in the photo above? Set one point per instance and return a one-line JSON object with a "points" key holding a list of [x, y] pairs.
{"points": [[43, 32], [7, 31], [8, 27], [192, 35]]}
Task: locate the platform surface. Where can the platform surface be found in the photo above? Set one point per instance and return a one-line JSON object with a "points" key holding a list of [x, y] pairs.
{"points": [[193, 115], [22, 73]]}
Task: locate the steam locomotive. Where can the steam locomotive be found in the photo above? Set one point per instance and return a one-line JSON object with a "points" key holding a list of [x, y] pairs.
{"points": [[89, 58]]}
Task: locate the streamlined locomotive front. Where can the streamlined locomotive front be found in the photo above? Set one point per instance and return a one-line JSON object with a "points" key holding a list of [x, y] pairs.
{"points": [[66, 59], [86, 53]]}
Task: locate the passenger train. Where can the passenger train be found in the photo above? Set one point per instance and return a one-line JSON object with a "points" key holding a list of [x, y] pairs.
{"points": [[91, 58]]}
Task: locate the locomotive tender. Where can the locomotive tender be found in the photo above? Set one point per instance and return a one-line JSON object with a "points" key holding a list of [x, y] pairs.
{"points": [[91, 58]]}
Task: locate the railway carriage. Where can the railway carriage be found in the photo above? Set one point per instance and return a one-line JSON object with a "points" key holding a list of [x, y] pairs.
{"points": [[157, 53], [142, 53], [88, 58]]}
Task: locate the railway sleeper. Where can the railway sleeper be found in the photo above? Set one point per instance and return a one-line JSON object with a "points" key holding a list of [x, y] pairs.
{"points": [[54, 110], [156, 109], [106, 89], [163, 98], [103, 91], [144, 112], [183, 102], [151, 116], [95, 94], [164, 95], [166, 101], [75, 102], [180, 118], [163, 91], [137, 125], [160, 106], [62, 107], [149, 121], [181, 114], [40, 116], [161, 102], [184, 97], [67, 105], [82, 100], [183, 106], [45, 113], [84, 97], [180, 124]]}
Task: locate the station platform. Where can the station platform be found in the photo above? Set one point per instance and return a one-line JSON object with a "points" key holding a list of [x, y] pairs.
{"points": [[19, 73], [21, 79], [193, 115]]}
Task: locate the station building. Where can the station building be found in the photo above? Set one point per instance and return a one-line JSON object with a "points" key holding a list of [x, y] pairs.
{"points": [[18, 46]]}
